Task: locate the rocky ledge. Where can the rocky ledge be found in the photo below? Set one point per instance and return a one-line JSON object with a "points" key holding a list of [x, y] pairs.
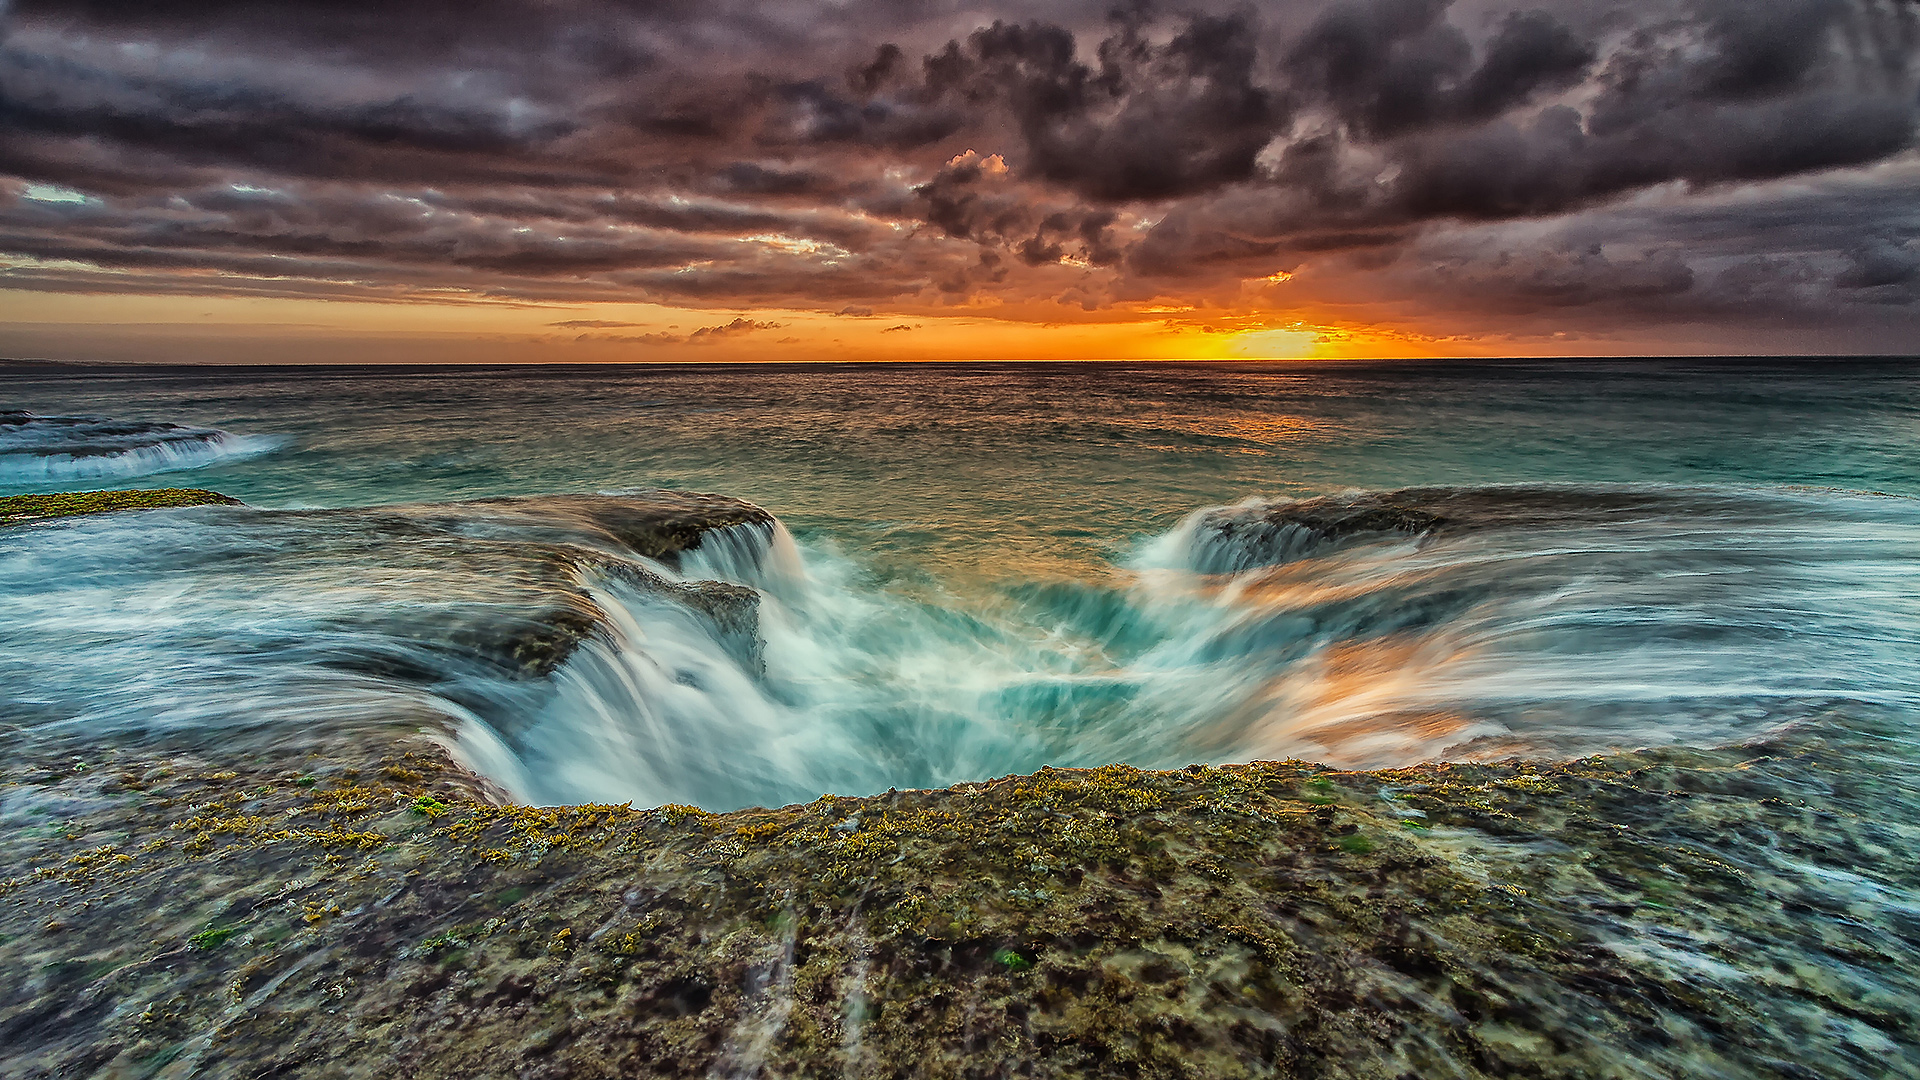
{"points": [[1744, 912], [506, 584], [21, 509]]}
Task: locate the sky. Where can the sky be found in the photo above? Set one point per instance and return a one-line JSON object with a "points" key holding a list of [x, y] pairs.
{"points": [[738, 180]]}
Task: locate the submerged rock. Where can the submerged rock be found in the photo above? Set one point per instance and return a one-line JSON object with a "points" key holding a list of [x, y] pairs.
{"points": [[293, 626], [1744, 912], [554, 547], [1233, 538], [1230, 539], [656, 524], [510, 580]]}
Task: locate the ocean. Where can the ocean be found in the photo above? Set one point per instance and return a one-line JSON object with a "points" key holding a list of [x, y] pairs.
{"points": [[980, 569]]}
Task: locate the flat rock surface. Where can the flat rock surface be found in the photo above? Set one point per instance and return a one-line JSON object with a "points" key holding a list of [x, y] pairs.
{"points": [[1743, 912]]}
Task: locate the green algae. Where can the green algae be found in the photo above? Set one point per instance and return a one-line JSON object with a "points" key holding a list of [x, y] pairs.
{"points": [[1356, 845], [213, 937], [22, 509], [1011, 960]]}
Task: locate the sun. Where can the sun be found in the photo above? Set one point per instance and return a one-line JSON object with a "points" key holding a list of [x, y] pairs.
{"points": [[1287, 343]]}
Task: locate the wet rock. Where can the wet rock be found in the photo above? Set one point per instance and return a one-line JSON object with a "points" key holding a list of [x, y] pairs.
{"points": [[558, 545], [22, 509], [1230, 539], [657, 524], [1233, 538], [1660, 913], [510, 581]]}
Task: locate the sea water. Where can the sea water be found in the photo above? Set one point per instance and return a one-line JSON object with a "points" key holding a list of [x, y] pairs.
{"points": [[980, 569]]}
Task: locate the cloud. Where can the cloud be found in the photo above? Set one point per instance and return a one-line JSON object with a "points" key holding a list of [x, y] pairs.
{"points": [[976, 198], [1432, 161], [1882, 263], [591, 324], [705, 335], [1387, 67], [1144, 121], [630, 339], [733, 329]]}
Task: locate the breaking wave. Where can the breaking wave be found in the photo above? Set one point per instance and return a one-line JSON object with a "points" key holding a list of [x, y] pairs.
{"points": [[60, 449], [1380, 629]]}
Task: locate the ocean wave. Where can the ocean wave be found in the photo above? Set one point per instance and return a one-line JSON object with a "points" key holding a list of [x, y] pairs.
{"points": [[38, 449], [1384, 628]]}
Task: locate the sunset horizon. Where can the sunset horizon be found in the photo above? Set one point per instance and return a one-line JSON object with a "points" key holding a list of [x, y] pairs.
{"points": [[592, 182]]}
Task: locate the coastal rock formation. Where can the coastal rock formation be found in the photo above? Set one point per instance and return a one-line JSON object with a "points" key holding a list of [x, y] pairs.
{"points": [[469, 621], [1266, 532], [655, 524], [547, 550], [1230, 539], [356, 902], [1725, 913]]}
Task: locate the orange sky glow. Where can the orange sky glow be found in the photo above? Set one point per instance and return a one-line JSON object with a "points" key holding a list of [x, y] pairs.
{"points": [[608, 182], [170, 329]]}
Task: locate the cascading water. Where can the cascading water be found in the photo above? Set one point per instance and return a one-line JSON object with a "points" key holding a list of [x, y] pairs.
{"points": [[1562, 634], [760, 555], [1375, 630], [1553, 621]]}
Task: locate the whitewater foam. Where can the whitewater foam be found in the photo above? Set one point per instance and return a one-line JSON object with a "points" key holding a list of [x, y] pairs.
{"points": [[44, 450], [566, 671]]}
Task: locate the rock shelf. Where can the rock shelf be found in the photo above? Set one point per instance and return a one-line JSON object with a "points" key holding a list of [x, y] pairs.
{"points": [[1731, 912]]}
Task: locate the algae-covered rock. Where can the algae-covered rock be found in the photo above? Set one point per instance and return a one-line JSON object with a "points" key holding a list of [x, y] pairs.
{"points": [[20, 509], [1744, 912]]}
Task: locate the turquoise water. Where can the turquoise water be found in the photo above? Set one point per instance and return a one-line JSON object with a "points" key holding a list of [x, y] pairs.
{"points": [[995, 566]]}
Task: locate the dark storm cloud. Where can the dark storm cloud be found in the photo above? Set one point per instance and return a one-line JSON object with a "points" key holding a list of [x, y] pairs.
{"points": [[1139, 120], [1391, 66], [1489, 156], [1881, 263], [975, 199]]}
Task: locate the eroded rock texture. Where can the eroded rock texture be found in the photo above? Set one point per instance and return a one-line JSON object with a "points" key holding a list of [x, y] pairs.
{"points": [[1746, 912]]}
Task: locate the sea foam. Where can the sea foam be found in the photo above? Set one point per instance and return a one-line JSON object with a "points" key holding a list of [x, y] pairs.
{"points": [[37, 450], [1548, 622]]}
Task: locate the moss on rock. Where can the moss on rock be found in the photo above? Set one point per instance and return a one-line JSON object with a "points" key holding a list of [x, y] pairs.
{"points": [[1737, 912], [20, 509]]}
